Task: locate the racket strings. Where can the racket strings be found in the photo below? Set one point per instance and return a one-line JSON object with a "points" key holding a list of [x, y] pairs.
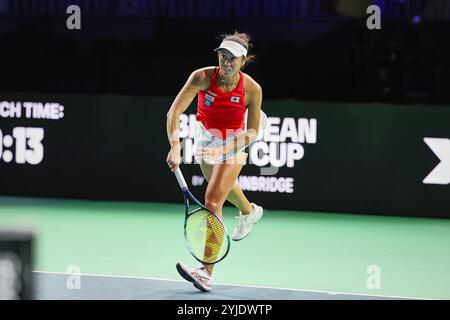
{"points": [[205, 235]]}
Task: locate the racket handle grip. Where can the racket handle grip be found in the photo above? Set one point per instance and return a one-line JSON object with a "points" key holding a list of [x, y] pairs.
{"points": [[180, 178]]}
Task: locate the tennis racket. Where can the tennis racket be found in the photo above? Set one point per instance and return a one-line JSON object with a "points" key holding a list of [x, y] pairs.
{"points": [[204, 232]]}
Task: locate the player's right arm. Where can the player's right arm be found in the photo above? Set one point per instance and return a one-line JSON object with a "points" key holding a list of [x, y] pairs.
{"points": [[196, 81]]}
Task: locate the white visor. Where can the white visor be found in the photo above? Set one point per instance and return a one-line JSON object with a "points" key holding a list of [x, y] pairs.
{"points": [[236, 49]]}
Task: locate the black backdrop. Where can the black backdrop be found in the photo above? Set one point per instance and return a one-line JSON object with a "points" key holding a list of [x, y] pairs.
{"points": [[366, 158]]}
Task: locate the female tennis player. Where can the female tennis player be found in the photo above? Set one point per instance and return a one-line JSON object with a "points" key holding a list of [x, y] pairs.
{"points": [[227, 100]]}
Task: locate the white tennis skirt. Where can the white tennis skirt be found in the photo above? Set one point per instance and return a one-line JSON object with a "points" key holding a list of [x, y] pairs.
{"points": [[205, 139]]}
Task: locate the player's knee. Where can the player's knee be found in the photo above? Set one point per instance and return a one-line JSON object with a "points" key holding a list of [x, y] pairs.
{"points": [[213, 203]]}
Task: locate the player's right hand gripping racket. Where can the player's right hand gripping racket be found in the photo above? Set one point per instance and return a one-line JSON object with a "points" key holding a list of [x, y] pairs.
{"points": [[204, 232]]}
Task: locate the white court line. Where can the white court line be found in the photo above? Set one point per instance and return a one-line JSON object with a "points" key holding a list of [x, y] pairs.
{"points": [[235, 285]]}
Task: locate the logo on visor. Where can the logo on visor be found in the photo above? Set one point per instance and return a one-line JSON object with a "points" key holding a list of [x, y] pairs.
{"points": [[235, 99], [208, 100]]}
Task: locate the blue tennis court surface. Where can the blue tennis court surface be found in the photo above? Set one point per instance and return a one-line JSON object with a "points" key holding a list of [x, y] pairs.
{"points": [[60, 286]]}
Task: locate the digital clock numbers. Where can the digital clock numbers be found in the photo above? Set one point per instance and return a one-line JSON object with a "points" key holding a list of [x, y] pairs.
{"points": [[23, 146]]}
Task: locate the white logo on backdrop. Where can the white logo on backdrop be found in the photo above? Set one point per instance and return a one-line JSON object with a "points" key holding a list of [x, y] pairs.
{"points": [[280, 144], [441, 173]]}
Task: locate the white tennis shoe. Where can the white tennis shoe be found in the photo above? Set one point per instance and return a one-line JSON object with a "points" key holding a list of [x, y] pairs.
{"points": [[198, 276], [246, 222]]}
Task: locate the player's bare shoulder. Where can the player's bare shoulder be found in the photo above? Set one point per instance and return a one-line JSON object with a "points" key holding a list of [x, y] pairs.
{"points": [[202, 77], [250, 84], [251, 87]]}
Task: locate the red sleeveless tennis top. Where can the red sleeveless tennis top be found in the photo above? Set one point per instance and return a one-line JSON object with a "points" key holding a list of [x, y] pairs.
{"points": [[222, 113]]}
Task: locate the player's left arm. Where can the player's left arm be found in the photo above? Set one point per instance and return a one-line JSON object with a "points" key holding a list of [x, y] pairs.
{"points": [[253, 119], [254, 112]]}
